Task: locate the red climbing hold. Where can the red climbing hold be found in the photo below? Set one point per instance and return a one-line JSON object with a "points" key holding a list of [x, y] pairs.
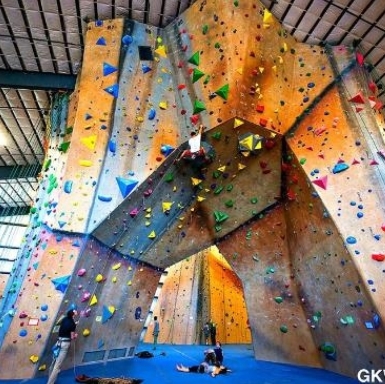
{"points": [[359, 98], [378, 256]]}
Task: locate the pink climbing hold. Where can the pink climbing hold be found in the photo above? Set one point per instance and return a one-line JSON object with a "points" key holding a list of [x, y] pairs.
{"points": [[81, 272], [86, 296], [134, 212], [322, 182]]}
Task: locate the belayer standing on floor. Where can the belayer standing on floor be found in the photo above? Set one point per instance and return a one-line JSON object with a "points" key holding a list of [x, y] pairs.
{"points": [[213, 333], [155, 331], [66, 335], [206, 333]]}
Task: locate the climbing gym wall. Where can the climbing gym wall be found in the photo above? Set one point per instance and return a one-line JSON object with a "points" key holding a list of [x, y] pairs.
{"points": [[196, 290], [290, 192], [226, 303]]}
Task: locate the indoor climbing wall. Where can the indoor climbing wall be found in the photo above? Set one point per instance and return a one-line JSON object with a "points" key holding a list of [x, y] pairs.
{"points": [[227, 307], [290, 191], [176, 303], [196, 290], [91, 127], [340, 310], [258, 252]]}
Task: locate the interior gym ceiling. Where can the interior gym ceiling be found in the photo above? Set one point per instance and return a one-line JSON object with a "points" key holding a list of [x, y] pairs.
{"points": [[41, 45]]}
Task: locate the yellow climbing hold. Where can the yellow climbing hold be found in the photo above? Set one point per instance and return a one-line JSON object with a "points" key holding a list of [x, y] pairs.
{"points": [[174, 188], [147, 223], [129, 282], [152, 235], [129, 268], [200, 198], [85, 163], [94, 300], [86, 332], [34, 358], [166, 206], [195, 181], [241, 166], [89, 141], [140, 119], [114, 279], [284, 47], [111, 308], [238, 123], [42, 367], [267, 18], [240, 71], [99, 278], [161, 51], [222, 169], [163, 105], [116, 266]]}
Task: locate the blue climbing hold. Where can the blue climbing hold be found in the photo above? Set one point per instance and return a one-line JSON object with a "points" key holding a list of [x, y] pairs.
{"points": [[351, 240], [340, 167], [127, 39]]}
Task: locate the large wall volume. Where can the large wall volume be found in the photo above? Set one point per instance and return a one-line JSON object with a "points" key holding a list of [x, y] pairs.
{"points": [[291, 194]]}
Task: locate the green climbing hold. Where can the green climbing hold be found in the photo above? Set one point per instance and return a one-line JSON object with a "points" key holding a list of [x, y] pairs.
{"points": [[229, 188], [206, 80], [317, 316], [302, 161], [194, 59], [218, 190], [278, 299], [220, 216], [63, 147], [347, 320], [197, 74], [218, 228], [198, 107], [229, 203], [216, 135], [270, 270], [283, 328], [69, 130], [217, 45], [223, 92], [216, 174], [47, 164], [254, 200], [169, 177], [205, 29]]}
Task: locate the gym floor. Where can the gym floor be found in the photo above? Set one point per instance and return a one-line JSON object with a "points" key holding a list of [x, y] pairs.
{"points": [[160, 369]]}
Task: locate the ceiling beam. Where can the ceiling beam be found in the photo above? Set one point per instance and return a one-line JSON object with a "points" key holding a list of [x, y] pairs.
{"points": [[36, 80], [20, 171], [14, 211]]}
